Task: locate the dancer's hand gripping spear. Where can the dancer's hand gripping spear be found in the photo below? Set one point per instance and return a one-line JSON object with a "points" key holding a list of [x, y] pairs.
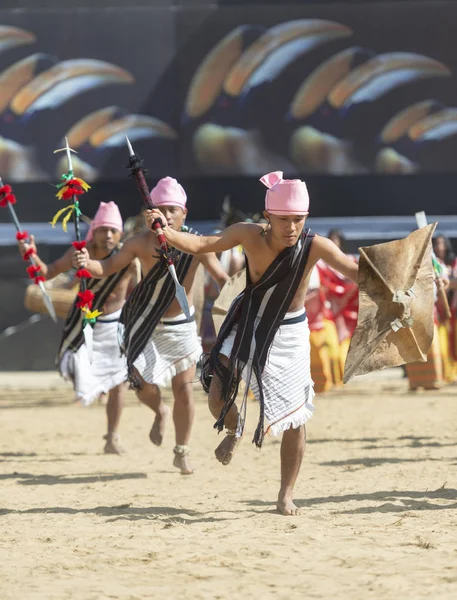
{"points": [[138, 171], [7, 199], [71, 188]]}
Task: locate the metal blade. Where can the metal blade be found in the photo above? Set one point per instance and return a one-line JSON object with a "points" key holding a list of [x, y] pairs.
{"points": [[421, 219], [48, 302], [129, 145], [20, 326], [181, 296], [89, 340]]}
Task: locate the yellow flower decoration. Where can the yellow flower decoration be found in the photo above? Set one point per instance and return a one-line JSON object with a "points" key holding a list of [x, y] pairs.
{"points": [[91, 314]]}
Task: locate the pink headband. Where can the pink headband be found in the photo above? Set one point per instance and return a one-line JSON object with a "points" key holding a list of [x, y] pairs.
{"points": [[168, 192], [285, 196], [107, 215]]}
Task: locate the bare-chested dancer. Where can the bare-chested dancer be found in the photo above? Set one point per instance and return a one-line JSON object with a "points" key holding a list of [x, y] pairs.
{"points": [[265, 336], [107, 371], [161, 344]]}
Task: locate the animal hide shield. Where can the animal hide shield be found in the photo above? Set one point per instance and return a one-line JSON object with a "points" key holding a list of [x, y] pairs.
{"points": [[396, 299]]}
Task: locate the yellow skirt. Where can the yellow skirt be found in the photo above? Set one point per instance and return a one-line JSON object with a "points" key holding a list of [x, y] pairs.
{"points": [[453, 342], [333, 345], [321, 366], [344, 349], [449, 364]]}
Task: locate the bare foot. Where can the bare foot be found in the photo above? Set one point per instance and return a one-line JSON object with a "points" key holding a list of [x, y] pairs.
{"points": [[112, 445], [158, 427], [181, 461], [287, 507], [226, 449]]}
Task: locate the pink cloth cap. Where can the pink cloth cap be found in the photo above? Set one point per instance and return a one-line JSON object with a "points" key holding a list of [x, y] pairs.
{"points": [[168, 192], [285, 196], [107, 215]]}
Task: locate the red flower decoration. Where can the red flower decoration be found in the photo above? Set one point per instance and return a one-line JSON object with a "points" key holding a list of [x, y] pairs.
{"points": [[79, 245], [28, 253], [83, 273], [33, 270], [21, 235], [9, 198], [6, 195], [39, 278], [72, 188], [72, 191], [86, 299]]}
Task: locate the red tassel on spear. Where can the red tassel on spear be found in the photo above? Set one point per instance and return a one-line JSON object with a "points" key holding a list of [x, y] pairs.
{"points": [[7, 199]]}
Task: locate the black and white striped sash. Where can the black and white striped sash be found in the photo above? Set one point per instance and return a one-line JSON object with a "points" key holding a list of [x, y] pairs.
{"points": [[72, 336], [258, 312], [144, 308]]}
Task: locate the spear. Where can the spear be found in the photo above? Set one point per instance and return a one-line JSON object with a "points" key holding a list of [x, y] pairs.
{"points": [[421, 220], [74, 185], [138, 171], [5, 199]]}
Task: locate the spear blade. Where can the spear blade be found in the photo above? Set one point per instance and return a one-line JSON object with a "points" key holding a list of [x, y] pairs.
{"points": [[48, 302], [421, 221], [180, 292], [129, 146]]}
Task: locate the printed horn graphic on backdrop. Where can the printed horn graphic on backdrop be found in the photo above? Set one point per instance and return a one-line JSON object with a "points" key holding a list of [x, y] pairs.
{"points": [[229, 140], [11, 37], [34, 87], [100, 132], [300, 96], [289, 99]]}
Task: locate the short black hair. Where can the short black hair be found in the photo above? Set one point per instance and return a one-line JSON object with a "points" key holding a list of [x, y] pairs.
{"points": [[449, 256]]}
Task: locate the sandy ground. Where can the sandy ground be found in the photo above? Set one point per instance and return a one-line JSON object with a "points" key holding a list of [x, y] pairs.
{"points": [[377, 491]]}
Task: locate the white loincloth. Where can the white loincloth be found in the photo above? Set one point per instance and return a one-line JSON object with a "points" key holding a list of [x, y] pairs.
{"points": [[108, 368], [171, 349], [286, 379]]}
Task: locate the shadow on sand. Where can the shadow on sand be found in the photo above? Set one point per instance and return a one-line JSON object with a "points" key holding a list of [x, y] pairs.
{"points": [[29, 479], [410, 501], [169, 516]]}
